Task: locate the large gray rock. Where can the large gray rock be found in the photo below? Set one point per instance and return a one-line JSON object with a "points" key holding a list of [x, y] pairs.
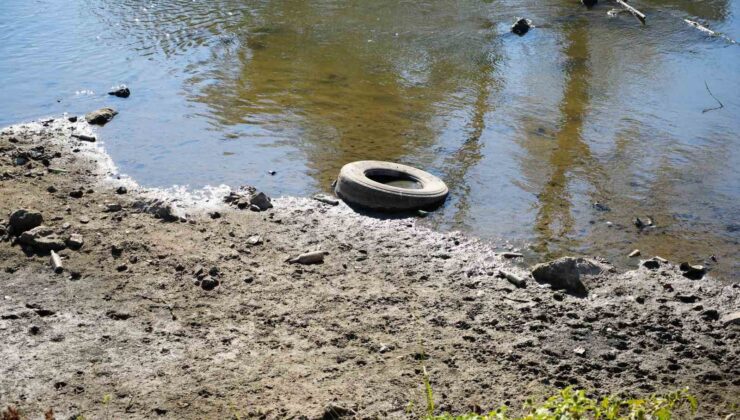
{"points": [[101, 116], [261, 200], [566, 273], [23, 220], [42, 238]]}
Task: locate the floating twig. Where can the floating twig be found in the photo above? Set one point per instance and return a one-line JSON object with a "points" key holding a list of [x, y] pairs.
{"points": [[708, 31], [721, 105]]}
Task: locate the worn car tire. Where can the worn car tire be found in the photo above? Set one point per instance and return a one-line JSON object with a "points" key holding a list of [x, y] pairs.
{"points": [[356, 188]]}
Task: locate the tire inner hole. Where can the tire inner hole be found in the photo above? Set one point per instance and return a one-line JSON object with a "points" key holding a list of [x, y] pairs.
{"points": [[394, 179]]}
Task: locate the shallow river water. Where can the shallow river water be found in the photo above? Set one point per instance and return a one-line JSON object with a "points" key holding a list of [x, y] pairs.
{"points": [[528, 132]]}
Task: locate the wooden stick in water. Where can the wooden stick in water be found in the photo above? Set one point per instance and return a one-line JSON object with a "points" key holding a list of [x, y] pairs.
{"points": [[636, 13]]}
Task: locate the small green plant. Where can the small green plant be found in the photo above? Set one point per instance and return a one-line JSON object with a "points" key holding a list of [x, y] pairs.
{"points": [[575, 404]]}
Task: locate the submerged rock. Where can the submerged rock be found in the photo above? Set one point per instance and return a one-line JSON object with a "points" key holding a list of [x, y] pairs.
{"points": [[120, 91], [565, 273], [101, 116], [521, 26], [22, 220]]}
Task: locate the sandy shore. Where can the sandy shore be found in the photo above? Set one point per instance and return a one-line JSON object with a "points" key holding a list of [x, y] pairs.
{"points": [[200, 315]]}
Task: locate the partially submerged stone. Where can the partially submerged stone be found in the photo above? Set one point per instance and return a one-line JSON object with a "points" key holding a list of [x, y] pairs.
{"points": [[101, 117], [521, 26]]}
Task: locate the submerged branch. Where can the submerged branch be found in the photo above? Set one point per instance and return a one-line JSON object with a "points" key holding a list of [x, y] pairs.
{"points": [[721, 105]]}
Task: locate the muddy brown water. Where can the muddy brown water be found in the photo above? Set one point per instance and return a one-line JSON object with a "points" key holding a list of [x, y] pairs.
{"points": [[528, 132]]}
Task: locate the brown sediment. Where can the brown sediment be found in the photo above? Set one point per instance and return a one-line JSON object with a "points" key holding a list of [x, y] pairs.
{"points": [[171, 312]]}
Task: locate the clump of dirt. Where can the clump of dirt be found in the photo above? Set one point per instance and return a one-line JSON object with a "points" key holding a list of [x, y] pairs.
{"points": [[178, 309]]}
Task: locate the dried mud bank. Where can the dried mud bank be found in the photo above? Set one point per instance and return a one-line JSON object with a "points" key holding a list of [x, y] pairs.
{"points": [[204, 318]]}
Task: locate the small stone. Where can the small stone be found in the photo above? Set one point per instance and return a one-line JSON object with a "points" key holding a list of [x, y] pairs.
{"points": [[52, 189], [101, 116], [272, 173], [121, 268], [121, 190], [731, 319], [84, 220], [579, 351], [635, 253], [510, 255], [215, 215], [254, 240], [76, 194], [111, 208], [75, 241], [116, 250], [254, 207], [83, 137], [72, 119], [214, 271], [209, 283]]}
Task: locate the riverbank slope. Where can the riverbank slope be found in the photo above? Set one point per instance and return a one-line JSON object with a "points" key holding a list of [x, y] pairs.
{"points": [[192, 311]]}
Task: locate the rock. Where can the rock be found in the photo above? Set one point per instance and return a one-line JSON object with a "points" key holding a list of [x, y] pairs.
{"points": [[120, 91], [272, 173], [710, 315], [215, 215], [121, 267], [121, 190], [52, 189], [75, 241], [112, 208], [326, 199], [82, 137], [42, 238], [22, 220], [731, 319], [56, 262], [254, 240], [76, 194], [638, 223], [687, 298], [254, 207], [72, 119], [565, 273], [589, 3], [101, 116], [209, 283], [510, 255], [521, 26], [335, 412], [315, 257], [261, 200], [600, 207], [635, 253], [651, 264], [693, 272]]}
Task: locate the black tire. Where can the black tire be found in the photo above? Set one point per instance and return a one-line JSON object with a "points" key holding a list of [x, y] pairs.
{"points": [[355, 187]]}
